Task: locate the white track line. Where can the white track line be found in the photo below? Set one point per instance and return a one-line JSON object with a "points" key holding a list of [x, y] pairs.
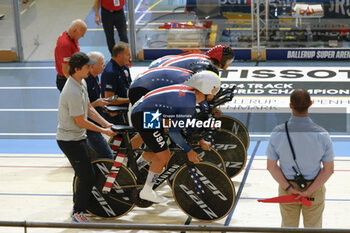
{"points": [[23, 88], [28, 110], [27, 134], [28, 68], [30, 5]]}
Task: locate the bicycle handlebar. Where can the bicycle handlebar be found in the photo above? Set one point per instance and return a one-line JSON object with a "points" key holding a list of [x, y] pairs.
{"points": [[222, 97]]}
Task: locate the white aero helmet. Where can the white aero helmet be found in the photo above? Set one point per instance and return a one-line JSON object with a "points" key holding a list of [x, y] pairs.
{"points": [[204, 81]]}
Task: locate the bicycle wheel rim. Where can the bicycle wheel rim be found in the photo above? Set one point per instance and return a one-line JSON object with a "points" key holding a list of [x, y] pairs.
{"points": [[219, 195], [180, 157], [232, 150], [118, 201], [237, 128]]}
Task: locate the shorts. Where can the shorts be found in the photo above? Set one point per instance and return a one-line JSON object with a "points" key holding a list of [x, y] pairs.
{"points": [[136, 93], [154, 139]]}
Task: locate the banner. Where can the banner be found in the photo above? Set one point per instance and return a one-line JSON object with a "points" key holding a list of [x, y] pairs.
{"points": [[307, 54]]}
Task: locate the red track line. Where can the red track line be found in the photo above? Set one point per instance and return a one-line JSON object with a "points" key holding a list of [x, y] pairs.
{"points": [[39, 166]]}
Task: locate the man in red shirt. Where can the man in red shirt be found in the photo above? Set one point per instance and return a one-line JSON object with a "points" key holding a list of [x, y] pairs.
{"points": [[66, 45], [112, 16]]}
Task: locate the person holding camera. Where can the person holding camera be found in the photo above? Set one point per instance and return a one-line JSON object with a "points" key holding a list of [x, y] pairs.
{"points": [[301, 147]]}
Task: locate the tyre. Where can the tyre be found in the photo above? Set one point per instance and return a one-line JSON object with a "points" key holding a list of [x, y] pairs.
{"points": [[180, 158], [219, 193], [118, 201], [237, 128], [232, 150]]}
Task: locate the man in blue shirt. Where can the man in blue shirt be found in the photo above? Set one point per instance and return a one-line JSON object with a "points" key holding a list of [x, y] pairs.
{"points": [[95, 139], [116, 80], [313, 147], [174, 104]]}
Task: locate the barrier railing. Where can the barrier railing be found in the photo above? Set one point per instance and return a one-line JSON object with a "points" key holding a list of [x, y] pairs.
{"points": [[162, 227]]}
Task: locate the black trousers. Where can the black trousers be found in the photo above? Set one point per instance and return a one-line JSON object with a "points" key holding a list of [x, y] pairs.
{"points": [[60, 81], [111, 20], [79, 157]]}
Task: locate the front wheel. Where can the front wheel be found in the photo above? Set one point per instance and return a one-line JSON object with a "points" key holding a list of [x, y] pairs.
{"points": [[180, 158], [215, 203]]}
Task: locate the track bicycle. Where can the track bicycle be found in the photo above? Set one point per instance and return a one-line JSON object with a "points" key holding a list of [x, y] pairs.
{"points": [[212, 200]]}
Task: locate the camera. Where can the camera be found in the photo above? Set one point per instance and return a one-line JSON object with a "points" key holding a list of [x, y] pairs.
{"points": [[300, 180]]}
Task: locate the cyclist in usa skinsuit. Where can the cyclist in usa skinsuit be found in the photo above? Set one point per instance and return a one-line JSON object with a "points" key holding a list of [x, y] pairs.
{"points": [[221, 56], [170, 102], [164, 76]]}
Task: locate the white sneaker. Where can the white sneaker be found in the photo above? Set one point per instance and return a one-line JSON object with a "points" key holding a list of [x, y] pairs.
{"points": [[151, 195]]}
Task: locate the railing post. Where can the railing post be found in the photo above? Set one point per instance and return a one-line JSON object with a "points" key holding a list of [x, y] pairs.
{"points": [[132, 28], [17, 21]]}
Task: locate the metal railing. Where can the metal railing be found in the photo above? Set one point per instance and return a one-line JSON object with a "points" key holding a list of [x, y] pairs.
{"points": [[162, 227]]}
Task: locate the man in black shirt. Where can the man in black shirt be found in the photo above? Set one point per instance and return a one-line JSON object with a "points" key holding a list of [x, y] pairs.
{"points": [[115, 79]]}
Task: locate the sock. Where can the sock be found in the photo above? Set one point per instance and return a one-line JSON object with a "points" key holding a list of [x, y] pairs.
{"points": [[141, 162], [151, 179]]}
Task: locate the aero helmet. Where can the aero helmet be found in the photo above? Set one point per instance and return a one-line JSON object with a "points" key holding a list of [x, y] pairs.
{"points": [[203, 65], [221, 53], [204, 81]]}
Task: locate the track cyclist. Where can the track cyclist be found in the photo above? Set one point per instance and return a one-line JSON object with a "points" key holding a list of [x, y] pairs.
{"points": [[169, 105], [220, 55], [164, 76]]}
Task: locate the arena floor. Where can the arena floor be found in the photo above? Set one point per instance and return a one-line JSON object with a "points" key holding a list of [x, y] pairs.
{"points": [[36, 177]]}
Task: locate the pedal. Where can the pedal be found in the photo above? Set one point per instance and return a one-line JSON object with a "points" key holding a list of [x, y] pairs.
{"points": [[135, 197]]}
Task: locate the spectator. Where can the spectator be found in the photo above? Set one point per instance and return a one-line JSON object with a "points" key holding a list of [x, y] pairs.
{"points": [[313, 147], [95, 139], [116, 80], [66, 45], [73, 110], [112, 16]]}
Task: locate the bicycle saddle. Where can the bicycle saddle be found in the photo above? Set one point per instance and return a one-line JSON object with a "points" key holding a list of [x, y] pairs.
{"points": [[122, 128], [118, 109]]}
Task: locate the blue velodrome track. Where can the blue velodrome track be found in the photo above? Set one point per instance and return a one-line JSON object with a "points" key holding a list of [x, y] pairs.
{"points": [[29, 100]]}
